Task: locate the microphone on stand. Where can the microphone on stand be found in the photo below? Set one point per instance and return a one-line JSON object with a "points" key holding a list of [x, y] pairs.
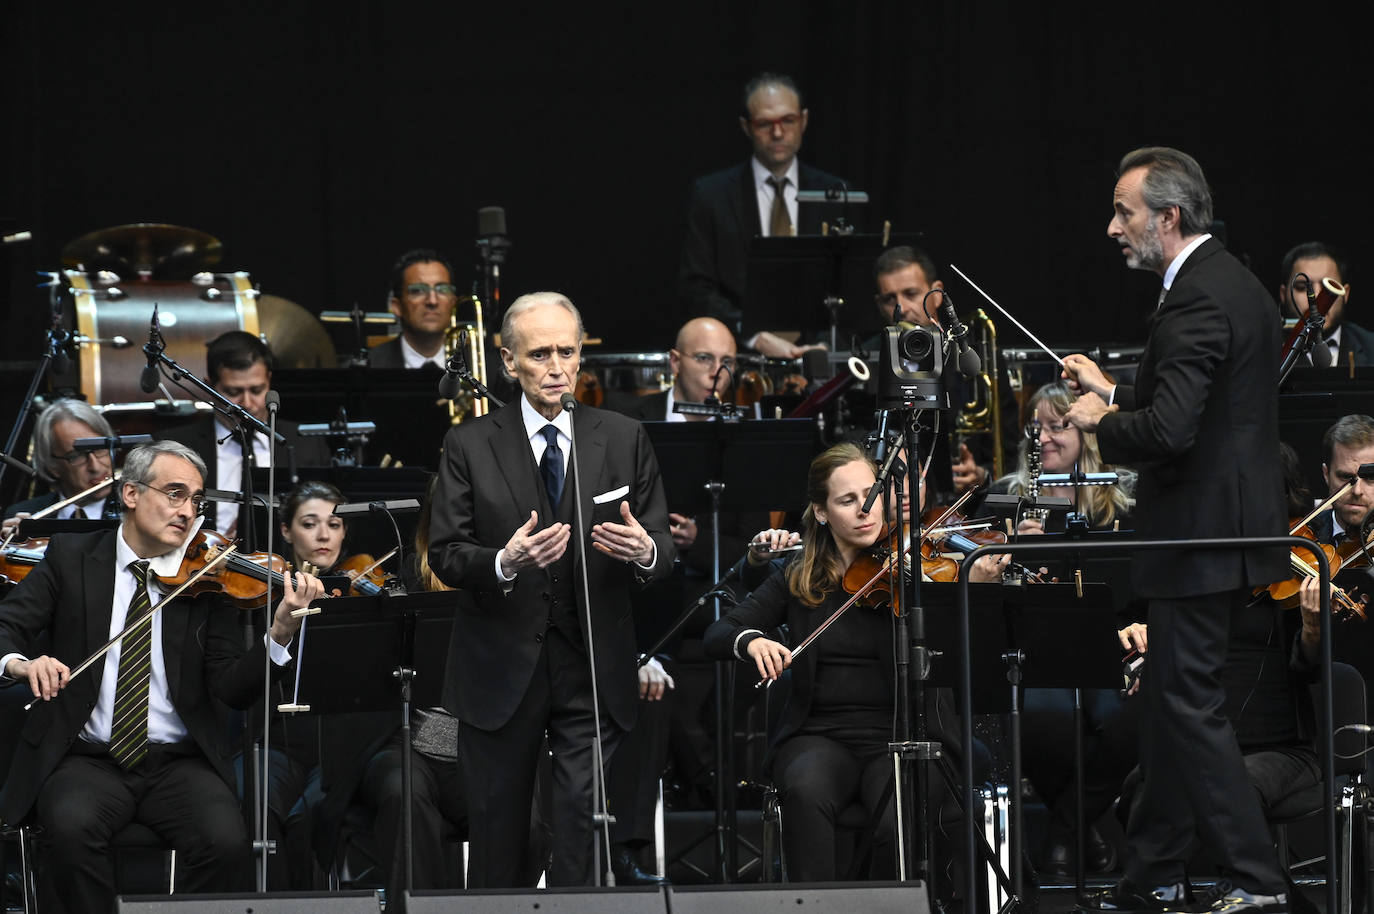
{"points": [[568, 402], [451, 384], [969, 362], [147, 381]]}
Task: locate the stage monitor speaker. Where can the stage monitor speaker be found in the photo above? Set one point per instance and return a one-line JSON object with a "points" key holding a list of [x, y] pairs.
{"points": [[355, 902], [813, 897], [626, 900]]}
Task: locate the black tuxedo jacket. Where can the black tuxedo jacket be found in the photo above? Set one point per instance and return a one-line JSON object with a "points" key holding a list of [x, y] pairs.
{"points": [[1357, 346], [722, 215], [386, 355], [70, 593], [488, 484], [1201, 426]]}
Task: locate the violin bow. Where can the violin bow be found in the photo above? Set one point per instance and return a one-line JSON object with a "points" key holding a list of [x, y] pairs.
{"points": [[146, 617]]}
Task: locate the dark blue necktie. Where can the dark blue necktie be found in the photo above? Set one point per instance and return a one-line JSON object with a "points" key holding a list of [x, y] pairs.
{"points": [[551, 466]]}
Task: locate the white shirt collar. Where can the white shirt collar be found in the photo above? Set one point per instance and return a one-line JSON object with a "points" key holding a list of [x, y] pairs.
{"points": [[412, 358], [165, 565], [1170, 273], [761, 174], [534, 422]]}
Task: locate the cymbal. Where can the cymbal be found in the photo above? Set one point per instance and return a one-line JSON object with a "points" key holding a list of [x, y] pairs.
{"points": [[297, 337], [161, 250]]}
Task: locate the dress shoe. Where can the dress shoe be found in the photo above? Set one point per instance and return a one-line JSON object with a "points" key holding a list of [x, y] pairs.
{"points": [[1127, 898], [625, 866], [1102, 856], [1225, 898]]}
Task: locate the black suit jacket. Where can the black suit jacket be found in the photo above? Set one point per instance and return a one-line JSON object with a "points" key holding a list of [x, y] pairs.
{"points": [[386, 355], [722, 215], [488, 484], [1357, 346], [1201, 426], [70, 593]]}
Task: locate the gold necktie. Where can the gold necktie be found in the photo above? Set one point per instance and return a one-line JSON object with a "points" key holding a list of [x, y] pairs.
{"points": [[779, 221]]}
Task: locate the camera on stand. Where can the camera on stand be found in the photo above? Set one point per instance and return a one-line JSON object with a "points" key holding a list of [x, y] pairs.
{"points": [[910, 363]]}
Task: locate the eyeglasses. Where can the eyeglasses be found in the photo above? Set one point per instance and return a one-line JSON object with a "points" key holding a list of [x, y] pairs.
{"points": [[176, 496], [422, 290], [1056, 428], [76, 457], [767, 125], [706, 360]]}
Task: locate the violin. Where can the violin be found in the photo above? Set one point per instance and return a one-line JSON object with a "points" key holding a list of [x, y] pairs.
{"points": [[242, 578], [18, 559], [1287, 592], [365, 572]]}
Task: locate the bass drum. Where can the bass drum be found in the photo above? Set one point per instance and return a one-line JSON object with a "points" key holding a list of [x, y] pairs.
{"points": [[112, 316]]}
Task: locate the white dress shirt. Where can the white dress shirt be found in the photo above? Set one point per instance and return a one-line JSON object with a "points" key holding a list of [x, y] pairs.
{"points": [[229, 472], [764, 192], [411, 357]]}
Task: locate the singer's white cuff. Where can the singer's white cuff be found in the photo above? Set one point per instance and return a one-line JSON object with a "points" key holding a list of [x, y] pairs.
{"points": [[501, 575], [1111, 395]]}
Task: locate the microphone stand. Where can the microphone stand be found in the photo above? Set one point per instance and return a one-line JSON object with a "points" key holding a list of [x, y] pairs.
{"points": [[1309, 336], [58, 339], [262, 766], [601, 817]]}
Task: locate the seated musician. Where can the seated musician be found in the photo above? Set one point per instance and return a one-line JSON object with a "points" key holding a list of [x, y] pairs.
{"points": [[831, 747], [1346, 446], [1048, 714], [1345, 344], [68, 471], [904, 277], [239, 366], [130, 741], [423, 297]]}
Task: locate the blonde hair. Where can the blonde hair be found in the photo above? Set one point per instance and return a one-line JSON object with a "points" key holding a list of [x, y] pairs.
{"points": [[820, 570], [1103, 504]]}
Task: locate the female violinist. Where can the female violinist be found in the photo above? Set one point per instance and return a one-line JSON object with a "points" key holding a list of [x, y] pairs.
{"points": [[316, 535], [1047, 717], [831, 746]]}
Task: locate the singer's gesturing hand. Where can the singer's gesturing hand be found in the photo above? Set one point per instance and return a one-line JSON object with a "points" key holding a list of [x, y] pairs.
{"points": [[526, 549], [628, 541]]}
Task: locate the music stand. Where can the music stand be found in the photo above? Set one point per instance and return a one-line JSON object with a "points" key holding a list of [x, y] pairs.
{"points": [[29, 528], [708, 466], [367, 654], [370, 484], [802, 282]]}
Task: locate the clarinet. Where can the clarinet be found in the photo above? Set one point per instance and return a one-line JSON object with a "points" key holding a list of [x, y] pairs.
{"points": [[1033, 472]]}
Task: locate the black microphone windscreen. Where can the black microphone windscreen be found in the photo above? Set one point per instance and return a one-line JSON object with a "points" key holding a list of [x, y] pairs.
{"points": [[273, 401], [147, 380], [969, 363], [450, 385], [491, 220], [568, 402]]}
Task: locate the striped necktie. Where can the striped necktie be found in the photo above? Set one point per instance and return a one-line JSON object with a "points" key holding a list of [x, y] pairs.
{"points": [[129, 729]]}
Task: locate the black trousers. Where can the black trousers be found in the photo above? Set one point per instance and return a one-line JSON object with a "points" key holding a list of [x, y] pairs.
{"points": [[632, 779], [437, 788], [822, 777], [1194, 778], [174, 791], [501, 768]]}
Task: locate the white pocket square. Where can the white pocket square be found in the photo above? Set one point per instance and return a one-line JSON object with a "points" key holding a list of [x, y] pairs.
{"points": [[611, 495]]}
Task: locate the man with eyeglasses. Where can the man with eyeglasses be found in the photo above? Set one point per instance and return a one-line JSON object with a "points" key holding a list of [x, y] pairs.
{"points": [[422, 298], [136, 737], [758, 197], [67, 470]]}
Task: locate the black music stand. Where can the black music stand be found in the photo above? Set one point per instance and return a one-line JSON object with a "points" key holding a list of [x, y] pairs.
{"points": [[803, 283], [370, 484], [739, 466], [372, 654]]}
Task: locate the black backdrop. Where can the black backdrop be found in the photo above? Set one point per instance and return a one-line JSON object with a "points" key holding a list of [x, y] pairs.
{"points": [[319, 140]]}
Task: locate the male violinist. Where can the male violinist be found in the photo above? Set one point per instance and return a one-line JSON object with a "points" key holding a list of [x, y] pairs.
{"points": [[136, 737], [1203, 405], [1346, 446]]}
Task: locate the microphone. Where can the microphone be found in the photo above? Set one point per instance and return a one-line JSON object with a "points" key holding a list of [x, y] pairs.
{"points": [[491, 221], [147, 381], [451, 384], [273, 402], [969, 362], [568, 402]]}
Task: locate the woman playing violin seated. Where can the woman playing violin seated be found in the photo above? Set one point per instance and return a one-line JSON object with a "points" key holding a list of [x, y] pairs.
{"points": [[831, 745]]}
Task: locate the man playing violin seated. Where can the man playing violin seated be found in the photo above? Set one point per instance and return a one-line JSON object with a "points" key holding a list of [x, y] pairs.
{"points": [[69, 471], [135, 737]]}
